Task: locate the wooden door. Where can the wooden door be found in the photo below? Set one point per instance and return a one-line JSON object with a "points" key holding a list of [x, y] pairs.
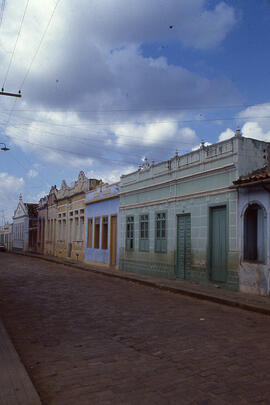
{"points": [[183, 246], [218, 244], [113, 241]]}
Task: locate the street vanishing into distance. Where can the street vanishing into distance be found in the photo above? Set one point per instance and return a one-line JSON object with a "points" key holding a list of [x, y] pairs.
{"points": [[87, 339]]}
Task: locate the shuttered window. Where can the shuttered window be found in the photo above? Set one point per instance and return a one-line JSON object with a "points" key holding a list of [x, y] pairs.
{"points": [[89, 233], [97, 232], [104, 244], [161, 233], [144, 233], [130, 232]]}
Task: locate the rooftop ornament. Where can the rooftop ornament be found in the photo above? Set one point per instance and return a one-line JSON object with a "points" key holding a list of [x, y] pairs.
{"points": [[238, 132], [4, 148]]}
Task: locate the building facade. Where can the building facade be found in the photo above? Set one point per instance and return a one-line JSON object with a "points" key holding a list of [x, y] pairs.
{"points": [[254, 232], [24, 231], [71, 217], [6, 236], [102, 225], [50, 228], [42, 222], [179, 217]]}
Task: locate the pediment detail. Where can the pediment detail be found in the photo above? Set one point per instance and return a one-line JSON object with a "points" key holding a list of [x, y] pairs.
{"points": [[20, 210]]}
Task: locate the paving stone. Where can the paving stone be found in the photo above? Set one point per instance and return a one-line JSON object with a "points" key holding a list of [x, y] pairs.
{"points": [[89, 339]]}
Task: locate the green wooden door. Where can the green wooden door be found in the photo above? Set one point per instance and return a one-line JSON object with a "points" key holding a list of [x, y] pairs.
{"points": [[183, 246], [218, 244]]}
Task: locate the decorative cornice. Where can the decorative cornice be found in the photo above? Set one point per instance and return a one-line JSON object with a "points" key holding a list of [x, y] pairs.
{"points": [[205, 173], [176, 199]]}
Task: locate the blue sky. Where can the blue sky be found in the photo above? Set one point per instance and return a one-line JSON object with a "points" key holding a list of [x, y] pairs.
{"points": [[111, 82]]}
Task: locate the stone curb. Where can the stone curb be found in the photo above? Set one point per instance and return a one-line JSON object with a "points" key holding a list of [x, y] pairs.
{"points": [[237, 302], [16, 387]]}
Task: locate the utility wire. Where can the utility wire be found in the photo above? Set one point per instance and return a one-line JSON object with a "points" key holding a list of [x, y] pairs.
{"points": [[165, 108], [94, 123], [2, 9], [16, 42], [39, 45]]}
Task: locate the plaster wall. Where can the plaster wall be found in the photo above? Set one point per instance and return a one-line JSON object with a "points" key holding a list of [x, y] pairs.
{"points": [[104, 201], [254, 277]]}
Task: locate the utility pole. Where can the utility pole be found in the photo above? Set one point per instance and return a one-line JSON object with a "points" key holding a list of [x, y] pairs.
{"points": [[4, 93]]}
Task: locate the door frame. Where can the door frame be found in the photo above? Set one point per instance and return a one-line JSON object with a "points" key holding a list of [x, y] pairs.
{"points": [[176, 265], [224, 204]]}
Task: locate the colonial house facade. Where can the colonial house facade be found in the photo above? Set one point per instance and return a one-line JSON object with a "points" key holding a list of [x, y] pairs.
{"points": [[24, 232], [254, 231], [6, 236], [179, 217], [102, 225], [50, 228], [71, 216], [42, 220]]}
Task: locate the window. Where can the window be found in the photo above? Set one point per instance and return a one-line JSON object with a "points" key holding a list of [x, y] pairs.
{"points": [[254, 246], [82, 228], [89, 233], [161, 241], [104, 244], [76, 229], [63, 230], [144, 233], [59, 230], [130, 233], [97, 230]]}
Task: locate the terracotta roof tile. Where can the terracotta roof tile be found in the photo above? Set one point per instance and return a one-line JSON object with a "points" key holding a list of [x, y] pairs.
{"points": [[257, 175]]}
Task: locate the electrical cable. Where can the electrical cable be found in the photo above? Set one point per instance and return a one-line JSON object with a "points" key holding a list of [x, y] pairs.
{"points": [[164, 108], [39, 45], [2, 9], [16, 42]]}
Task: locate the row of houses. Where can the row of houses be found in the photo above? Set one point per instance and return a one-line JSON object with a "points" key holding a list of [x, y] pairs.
{"points": [[202, 216]]}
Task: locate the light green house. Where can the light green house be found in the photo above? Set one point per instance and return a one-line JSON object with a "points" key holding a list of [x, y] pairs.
{"points": [[179, 217]]}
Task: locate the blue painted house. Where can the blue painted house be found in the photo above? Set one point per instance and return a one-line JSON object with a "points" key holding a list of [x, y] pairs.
{"points": [[102, 225]]}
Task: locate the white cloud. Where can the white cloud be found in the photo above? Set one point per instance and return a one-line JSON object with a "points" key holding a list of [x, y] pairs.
{"points": [[196, 147], [32, 173], [257, 123], [11, 187], [226, 135], [92, 62]]}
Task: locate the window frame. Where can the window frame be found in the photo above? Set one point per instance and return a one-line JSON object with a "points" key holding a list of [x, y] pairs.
{"points": [[89, 242], [161, 242], [97, 239], [130, 233], [260, 238], [144, 240], [104, 242]]}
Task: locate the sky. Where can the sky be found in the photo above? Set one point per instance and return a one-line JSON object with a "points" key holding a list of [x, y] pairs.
{"points": [[106, 83]]}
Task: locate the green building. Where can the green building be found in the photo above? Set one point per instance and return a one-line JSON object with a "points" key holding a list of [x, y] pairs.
{"points": [[179, 217]]}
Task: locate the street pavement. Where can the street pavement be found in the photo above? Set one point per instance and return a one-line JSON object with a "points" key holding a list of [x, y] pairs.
{"points": [[88, 339]]}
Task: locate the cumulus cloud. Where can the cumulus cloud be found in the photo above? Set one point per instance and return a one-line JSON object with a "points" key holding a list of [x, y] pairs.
{"points": [[257, 123], [93, 100], [32, 173], [11, 187], [226, 135]]}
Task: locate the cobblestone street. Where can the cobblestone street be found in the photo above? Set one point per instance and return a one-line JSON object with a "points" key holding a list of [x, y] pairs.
{"points": [[89, 339]]}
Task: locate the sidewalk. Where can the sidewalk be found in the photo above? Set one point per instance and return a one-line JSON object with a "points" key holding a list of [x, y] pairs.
{"points": [[210, 293], [16, 387]]}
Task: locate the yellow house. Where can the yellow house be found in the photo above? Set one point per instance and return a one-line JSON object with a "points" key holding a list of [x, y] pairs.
{"points": [[71, 217]]}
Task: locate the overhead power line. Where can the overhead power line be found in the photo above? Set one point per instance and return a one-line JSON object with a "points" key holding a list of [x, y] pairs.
{"points": [[15, 45], [148, 109], [2, 9], [39, 45]]}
